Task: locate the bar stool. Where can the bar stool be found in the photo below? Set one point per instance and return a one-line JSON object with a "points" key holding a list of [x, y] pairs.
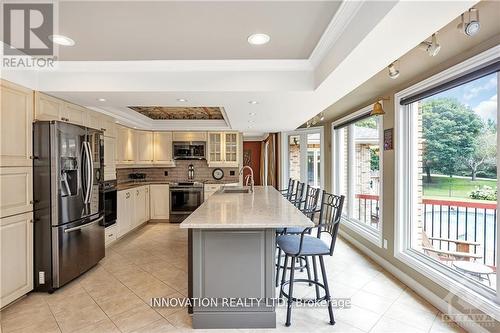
{"points": [[286, 192], [296, 198], [310, 246], [309, 209]]}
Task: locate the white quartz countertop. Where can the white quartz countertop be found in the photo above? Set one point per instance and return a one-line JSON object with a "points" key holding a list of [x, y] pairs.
{"points": [[265, 208]]}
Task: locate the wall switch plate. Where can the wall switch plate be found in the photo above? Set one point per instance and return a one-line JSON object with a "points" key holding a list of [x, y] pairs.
{"points": [[41, 277], [385, 243], [231, 172], [166, 173]]}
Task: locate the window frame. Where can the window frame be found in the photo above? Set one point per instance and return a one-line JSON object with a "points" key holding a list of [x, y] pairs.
{"points": [[406, 173], [302, 132], [369, 233]]}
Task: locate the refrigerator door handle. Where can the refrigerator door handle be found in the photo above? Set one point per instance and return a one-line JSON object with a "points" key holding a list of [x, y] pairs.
{"points": [[91, 167], [89, 172], [84, 225], [84, 172]]}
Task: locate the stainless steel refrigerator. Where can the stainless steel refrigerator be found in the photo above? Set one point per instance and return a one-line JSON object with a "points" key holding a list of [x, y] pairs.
{"points": [[68, 202]]}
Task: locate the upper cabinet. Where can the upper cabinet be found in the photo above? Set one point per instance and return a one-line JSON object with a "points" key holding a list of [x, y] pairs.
{"points": [[144, 142], [16, 117], [74, 114], [162, 148], [223, 149], [51, 108], [48, 107], [189, 136], [125, 146], [108, 126]]}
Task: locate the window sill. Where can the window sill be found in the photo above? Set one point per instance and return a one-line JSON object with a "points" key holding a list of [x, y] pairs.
{"points": [[368, 233], [482, 299]]}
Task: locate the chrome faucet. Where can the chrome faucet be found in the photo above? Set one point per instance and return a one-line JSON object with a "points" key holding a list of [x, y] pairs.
{"points": [[249, 177]]}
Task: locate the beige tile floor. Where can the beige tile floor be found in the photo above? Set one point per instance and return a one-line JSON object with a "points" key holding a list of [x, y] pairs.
{"points": [[151, 262]]}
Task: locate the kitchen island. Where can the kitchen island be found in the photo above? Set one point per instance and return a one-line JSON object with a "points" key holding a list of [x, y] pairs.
{"points": [[232, 256]]}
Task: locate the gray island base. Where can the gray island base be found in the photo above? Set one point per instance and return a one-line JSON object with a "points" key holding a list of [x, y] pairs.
{"points": [[232, 256]]}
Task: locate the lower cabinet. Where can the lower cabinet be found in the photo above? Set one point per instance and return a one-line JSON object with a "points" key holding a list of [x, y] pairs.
{"points": [[159, 202], [132, 209], [110, 234], [16, 257]]}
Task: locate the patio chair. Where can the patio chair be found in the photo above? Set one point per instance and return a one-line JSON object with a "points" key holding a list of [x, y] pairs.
{"points": [[463, 249]]}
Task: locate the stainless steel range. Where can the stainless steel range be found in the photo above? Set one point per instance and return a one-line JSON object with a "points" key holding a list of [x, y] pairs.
{"points": [[185, 197]]}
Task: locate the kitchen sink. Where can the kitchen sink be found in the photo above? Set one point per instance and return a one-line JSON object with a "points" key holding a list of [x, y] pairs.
{"points": [[235, 190]]}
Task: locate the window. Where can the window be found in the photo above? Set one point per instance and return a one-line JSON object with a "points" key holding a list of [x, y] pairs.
{"points": [[357, 171], [302, 156], [446, 222]]}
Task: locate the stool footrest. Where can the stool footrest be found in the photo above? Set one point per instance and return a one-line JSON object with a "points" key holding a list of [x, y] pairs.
{"points": [[304, 300]]}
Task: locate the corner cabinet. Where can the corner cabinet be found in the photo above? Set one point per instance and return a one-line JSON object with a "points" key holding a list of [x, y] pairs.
{"points": [[162, 148], [223, 149], [16, 118], [159, 202], [125, 146], [144, 147]]}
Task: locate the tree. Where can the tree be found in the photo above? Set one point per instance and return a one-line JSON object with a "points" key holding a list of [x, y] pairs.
{"points": [[485, 151], [450, 130]]}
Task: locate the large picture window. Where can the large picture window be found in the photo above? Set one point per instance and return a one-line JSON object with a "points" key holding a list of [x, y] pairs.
{"points": [[447, 193], [357, 171]]}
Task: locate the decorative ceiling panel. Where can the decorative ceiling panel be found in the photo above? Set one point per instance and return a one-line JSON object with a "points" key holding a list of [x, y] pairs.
{"points": [[179, 113]]}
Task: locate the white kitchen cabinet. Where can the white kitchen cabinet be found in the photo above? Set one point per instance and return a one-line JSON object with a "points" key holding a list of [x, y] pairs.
{"points": [[223, 149], [144, 142], [74, 114], [159, 201], [124, 212], [108, 126], [125, 146], [110, 234], [189, 136], [109, 158], [16, 257], [148, 203], [48, 107], [162, 148], [16, 190], [93, 120], [141, 205], [16, 117]]}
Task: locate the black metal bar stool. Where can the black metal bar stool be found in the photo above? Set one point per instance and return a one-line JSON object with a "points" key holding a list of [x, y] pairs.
{"points": [[310, 246], [296, 198], [309, 209], [287, 191]]}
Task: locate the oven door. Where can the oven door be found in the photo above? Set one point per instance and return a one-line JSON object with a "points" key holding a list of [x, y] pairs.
{"points": [[184, 201], [109, 208]]}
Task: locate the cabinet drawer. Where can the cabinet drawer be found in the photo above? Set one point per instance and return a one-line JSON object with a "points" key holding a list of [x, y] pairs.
{"points": [[110, 234]]}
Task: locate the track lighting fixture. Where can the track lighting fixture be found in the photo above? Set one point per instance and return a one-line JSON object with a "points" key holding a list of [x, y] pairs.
{"points": [[321, 116], [393, 71], [470, 22], [432, 48]]}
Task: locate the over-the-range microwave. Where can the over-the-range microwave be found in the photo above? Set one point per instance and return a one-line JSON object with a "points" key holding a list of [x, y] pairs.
{"points": [[189, 150]]}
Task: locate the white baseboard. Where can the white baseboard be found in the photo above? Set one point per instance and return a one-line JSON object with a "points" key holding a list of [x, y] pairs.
{"points": [[428, 295]]}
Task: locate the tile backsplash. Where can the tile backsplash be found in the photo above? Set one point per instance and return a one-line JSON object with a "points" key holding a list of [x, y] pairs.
{"points": [[202, 173]]}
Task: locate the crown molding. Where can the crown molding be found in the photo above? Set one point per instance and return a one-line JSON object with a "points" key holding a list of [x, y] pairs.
{"points": [[342, 17]]}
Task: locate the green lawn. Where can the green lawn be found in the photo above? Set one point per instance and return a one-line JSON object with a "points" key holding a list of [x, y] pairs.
{"points": [[458, 188]]}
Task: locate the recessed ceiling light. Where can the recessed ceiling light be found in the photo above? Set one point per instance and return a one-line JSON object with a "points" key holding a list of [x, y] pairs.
{"points": [[61, 40], [117, 122], [258, 39], [251, 114], [181, 100], [253, 102], [101, 99]]}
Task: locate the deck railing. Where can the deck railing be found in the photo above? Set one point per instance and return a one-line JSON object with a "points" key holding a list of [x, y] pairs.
{"points": [[462, 220], [447, 219]]}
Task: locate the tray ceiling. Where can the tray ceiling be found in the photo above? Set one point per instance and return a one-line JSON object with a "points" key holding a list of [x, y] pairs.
{"points": [[179, 113]]}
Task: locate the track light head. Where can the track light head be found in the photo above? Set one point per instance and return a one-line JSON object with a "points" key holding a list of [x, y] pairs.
{"points": [[432, 48], [393, 71], [470, 24]]}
